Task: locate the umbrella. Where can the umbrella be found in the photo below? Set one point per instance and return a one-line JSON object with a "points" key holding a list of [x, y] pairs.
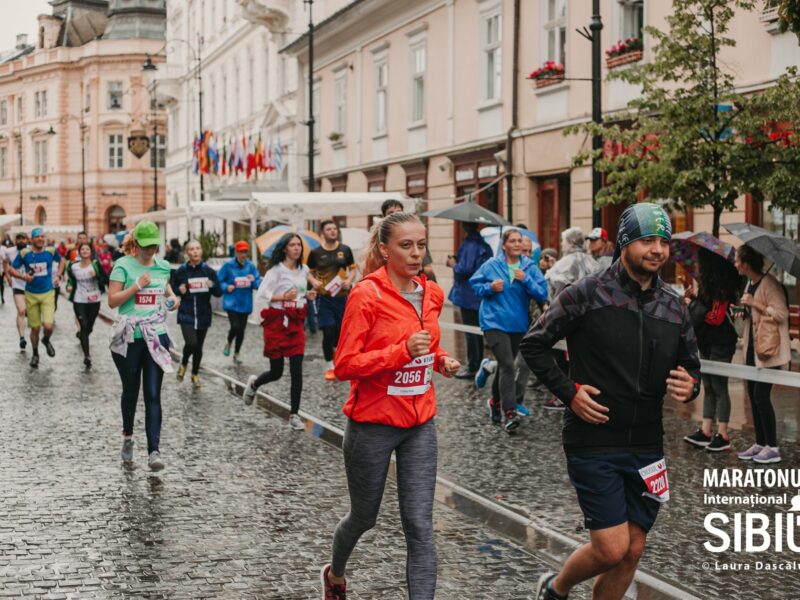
{"points": [[468, 212], [779, 249], [267, 241], [493, 236], [685, 247]]}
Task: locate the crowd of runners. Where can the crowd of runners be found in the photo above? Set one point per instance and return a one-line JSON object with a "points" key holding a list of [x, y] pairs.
{"points": [[633, 341]]}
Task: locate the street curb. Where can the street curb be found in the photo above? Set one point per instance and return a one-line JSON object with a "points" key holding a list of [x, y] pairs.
{"points": [[536, 537]]}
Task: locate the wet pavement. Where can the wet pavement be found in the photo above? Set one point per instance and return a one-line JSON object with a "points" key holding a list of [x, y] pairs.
{"points": [[527, 472], [244, 509]]}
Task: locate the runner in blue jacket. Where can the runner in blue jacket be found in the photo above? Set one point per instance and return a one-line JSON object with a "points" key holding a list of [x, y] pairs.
{"points": [[238, 278], [505, 285], [195, 282]]}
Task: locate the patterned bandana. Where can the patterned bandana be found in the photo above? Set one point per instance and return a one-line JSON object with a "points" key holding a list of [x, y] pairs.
{"points": [[640, 221]]}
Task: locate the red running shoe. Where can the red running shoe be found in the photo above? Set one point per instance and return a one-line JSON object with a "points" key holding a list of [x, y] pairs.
{"points": [[331, 591]]}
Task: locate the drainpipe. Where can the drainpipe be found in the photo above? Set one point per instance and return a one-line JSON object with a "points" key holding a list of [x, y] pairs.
{"points": [[514, 115]]}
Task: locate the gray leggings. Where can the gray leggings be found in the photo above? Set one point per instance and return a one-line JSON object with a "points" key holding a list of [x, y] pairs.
{"points": [[505, 347], [716, 399], [367, 451]]}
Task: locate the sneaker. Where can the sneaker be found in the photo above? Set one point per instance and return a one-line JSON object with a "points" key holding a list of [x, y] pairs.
{"points": [[35, 361], [465, 373], [196, 381], [543, 591], [48, 345], [330, 375], [718, 444], [226, 350], [698, 438], [181, 372], [22, 344], [236, 359], [127, 449], [87, 362], [154, 462], [767, 455], [523, 410], [249, 393], [512, 421], [750, 452], [553, 403], [487, 368], [494, 410], [296, 423], [331, 591]]}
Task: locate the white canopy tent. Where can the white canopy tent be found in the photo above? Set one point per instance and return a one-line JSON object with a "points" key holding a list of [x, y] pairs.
{"points": [[58, 232], [285, 207], [8, 221]]}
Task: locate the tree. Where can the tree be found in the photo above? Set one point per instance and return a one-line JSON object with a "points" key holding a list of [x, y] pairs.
{"points": [[690, 139], [788, 14]]}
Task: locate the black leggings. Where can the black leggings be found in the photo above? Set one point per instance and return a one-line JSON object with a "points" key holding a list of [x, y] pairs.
{"points": [[86, 313], [763, 412], [238, 325], [193, 345], [2, 287], [330, 339], [295, 372]]}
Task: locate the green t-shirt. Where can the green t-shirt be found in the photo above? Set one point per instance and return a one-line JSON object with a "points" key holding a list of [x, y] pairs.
{"points": [[511, 269], [145, 302]]}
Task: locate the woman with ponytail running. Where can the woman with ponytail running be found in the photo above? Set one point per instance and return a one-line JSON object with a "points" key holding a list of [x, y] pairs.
{"points": [[388, 350]]}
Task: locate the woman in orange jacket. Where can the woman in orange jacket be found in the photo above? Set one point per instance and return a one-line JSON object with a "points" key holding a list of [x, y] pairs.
{"points": [[388, 349]]}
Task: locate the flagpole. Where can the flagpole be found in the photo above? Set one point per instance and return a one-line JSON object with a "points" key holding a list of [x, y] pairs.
{"points": [[200, 111]]}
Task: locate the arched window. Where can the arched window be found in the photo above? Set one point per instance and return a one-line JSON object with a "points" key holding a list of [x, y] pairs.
{"points": [[116, 214], [41, 216]]}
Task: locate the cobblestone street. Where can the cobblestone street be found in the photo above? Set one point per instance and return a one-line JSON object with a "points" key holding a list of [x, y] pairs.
{"points": [[245, 508]]}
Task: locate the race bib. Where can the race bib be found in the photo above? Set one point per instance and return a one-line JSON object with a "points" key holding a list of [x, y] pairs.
{"points": [[655, 478], [242, 282], [414, 378], [39, 269], [93, 298], [148, 297], [334, 285], [197, 285]]}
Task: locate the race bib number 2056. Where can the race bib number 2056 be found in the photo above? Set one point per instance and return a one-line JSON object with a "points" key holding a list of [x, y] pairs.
{"points": [[413, 378]]}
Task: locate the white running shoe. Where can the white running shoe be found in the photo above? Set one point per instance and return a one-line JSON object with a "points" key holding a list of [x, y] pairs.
{"points": [[296, 423], [249, 393], [154, 462], [127, 449]]}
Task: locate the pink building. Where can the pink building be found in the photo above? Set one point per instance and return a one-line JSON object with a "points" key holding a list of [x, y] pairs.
{"points": [[81, 86]]}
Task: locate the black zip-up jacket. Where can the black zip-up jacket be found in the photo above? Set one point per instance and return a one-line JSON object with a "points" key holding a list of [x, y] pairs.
{"points": [[623, 341], [195, 309]]}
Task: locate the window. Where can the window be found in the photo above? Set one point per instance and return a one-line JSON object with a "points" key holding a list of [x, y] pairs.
{"points": [[37, 105], [381, 94], [114, 94], [19, 109], [632, 18], [44, 103], [213, 94], [555, 31], [115, 151], [158, 149], [251, 89], [40, 158], [4, 112], [3, 162], [87, 98], [340, 102], [235, 95], [492, 66], [418, 67], [224, 104], [116, 216]]}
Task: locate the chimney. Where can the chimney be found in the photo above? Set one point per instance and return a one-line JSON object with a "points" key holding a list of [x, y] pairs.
{"points": [[22, 41]]}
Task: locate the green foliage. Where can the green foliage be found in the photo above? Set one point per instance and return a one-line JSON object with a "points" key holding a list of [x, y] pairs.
{"points": [[681, 148], [209, 241], [788, 13]]}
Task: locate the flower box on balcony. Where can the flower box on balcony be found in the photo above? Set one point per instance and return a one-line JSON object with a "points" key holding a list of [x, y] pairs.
{"points": [[551, 73], [623, 59], [548, 80]]}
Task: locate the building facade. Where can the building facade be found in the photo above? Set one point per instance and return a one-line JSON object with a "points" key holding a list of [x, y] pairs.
{"points": [[429, 97], [77, 90]]}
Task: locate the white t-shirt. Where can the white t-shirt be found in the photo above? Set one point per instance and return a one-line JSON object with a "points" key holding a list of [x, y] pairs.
{"points": [[86, 288], [278, 281], [10, 254]]}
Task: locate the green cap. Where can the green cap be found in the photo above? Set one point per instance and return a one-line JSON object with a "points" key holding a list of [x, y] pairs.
{"points": [[146, 233]]}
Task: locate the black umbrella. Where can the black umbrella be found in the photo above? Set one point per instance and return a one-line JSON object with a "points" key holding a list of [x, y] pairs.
{"points": [[779, 249], [468, 212]]}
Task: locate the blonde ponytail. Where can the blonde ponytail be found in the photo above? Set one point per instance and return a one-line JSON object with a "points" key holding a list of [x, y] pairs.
{"points": [[381, 234]]}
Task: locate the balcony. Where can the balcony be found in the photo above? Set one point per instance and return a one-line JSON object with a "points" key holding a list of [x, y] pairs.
{"points": [[272, 14], [770, 20]]}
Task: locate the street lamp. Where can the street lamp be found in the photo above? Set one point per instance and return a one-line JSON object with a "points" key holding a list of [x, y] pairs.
{"points": [[149, 66], [82, 124]]}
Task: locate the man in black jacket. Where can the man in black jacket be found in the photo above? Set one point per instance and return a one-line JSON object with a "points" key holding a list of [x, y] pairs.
{"points": [[630, 341]]}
